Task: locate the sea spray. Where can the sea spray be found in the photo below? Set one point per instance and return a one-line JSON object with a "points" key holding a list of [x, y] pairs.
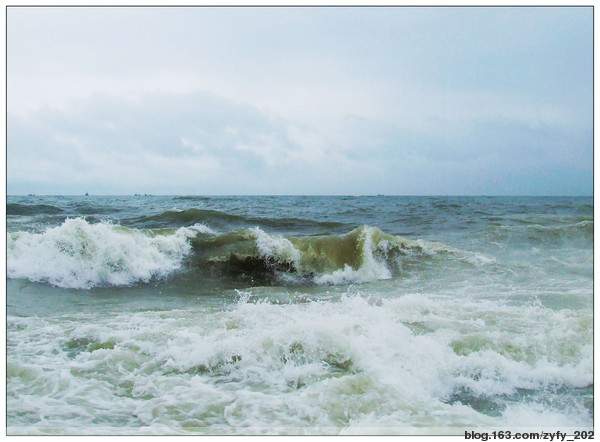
{"points": [[276, 247]]}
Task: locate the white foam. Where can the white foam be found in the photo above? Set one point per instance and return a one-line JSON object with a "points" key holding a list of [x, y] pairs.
{"points": [[203, 229], [276, 246], [81, 255]]}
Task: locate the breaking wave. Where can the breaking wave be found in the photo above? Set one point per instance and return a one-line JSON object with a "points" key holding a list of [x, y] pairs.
{"points": [[351, 366], [81, 255]]}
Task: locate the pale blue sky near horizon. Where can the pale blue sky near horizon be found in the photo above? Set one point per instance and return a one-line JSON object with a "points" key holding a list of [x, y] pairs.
{"points": [[300, 100]]}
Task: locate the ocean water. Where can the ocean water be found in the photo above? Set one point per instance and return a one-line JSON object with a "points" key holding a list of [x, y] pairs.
{"points": [[298, 315]]}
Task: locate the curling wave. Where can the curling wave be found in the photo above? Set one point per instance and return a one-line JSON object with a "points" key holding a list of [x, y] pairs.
{"points": [[365, 254]]}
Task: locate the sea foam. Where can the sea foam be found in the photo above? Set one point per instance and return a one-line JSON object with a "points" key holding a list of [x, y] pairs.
{"points": [[339, 366]]}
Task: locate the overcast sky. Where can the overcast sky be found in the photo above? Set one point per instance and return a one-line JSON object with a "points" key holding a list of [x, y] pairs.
{"points": [[404, 101]]}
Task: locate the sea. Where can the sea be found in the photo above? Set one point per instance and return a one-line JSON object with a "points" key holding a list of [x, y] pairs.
{"points": [[298, 315]]}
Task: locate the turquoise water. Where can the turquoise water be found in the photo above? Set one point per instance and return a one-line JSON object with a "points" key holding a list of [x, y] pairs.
{"points": [[298, 315]]}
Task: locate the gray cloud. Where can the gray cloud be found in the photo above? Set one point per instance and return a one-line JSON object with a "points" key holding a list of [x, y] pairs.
{"points": [[201, 143]]}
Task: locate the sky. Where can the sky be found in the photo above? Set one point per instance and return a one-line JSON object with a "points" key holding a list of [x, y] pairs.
{"points": [[300, 100]]}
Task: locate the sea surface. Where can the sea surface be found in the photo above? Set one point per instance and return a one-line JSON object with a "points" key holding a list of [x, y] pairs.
{"points": [[298, 315]]}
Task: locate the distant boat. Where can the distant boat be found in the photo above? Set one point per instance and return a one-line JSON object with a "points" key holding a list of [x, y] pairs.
{"points": [[87, 194]]}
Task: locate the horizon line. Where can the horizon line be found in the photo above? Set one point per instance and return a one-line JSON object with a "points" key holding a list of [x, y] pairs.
{"points": [[310, 195]]}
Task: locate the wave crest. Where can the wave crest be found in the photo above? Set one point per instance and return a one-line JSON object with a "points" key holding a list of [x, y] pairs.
{"points": [[81, 255]]}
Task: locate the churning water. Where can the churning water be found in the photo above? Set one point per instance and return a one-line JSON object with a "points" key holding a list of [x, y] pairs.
{"points": [[298, 315]]}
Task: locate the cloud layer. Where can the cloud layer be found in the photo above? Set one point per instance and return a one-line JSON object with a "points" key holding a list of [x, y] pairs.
{"points": [[300, 100]]}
